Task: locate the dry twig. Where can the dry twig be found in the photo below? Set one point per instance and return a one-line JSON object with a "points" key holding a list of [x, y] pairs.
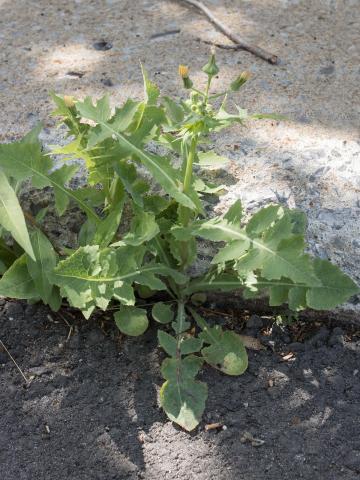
{"points": [[14, 361], [239, 43]]}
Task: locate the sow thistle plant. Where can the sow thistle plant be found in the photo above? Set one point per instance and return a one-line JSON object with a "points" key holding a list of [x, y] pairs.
{"points": [[121, 262]]}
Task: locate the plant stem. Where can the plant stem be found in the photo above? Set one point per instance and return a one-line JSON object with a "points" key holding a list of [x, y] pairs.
{"points": [[189, 164], [217, 95], [207, 89], [197, 91]]}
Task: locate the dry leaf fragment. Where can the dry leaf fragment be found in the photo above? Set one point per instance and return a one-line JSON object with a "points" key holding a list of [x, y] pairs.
{"points": [[213, 426], [287, 357]]}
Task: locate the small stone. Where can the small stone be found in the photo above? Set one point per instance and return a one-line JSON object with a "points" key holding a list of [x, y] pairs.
{"points": [[327, 70], [102, 45], [107, 82]]}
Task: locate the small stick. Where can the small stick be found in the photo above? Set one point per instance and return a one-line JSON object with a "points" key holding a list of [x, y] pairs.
{"points": [[13, 359], [71, 328], [240, 44]]}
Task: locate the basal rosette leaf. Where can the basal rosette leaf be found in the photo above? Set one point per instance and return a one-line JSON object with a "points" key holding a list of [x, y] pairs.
{"points": [[226, 351], [132, 321], [162, 312], [182, 397]]}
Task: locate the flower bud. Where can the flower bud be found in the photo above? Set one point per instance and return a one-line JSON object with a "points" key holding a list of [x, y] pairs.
{"points": [[184, 74], [239, 81], [211, 68], [69, 101]]}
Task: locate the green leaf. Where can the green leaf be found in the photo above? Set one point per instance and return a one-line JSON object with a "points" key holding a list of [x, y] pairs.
{"points": [[173, 110], [22, 160], [235, 213], [211, 159], [271, 116], [97, 112], [226, 351], [234, 250], [135, 186], [168, 343], [181, 324], [42, 267], [223, 282], [190, 345], [277, 253], [86, 233], [62, 176], [120, 121], [132, 321], [162, 312], [107, 228], [263, 219], [7, 256], [91, 277], [184, 252], [160, 167], [12, 217], [181, 396], [151, 90], [17, 282], [143, 229], [336, 287]]}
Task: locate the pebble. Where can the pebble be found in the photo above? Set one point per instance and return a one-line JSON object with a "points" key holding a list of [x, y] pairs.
{"points": [[327, 70], [107, 82], [102, 45]]}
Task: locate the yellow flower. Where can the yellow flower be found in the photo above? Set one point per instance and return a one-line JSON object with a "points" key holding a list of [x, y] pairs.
{"points": [[184, 74], [183, 71]]}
